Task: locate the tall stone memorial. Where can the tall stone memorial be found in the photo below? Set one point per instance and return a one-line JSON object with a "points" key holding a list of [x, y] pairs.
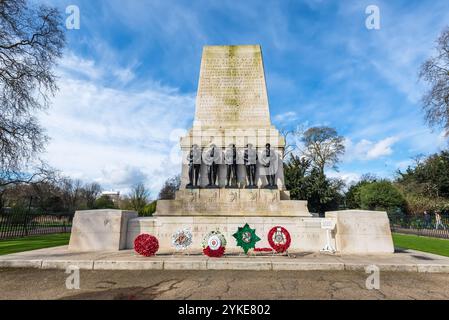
{"points": [[233, 175], [232, 115], [232, 109]]}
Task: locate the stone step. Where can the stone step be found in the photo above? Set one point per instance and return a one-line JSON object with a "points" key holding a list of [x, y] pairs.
{"points": [[210, 207], [232, 195]]}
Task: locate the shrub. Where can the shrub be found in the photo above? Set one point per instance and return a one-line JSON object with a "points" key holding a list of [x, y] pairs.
{"points": [[381, 195]]}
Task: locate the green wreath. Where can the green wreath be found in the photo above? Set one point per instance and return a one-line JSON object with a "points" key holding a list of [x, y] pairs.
{"points": [[246, 238]]}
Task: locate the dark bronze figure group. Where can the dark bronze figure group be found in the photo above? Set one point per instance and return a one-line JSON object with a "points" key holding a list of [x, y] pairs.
{"points": [[212, 158]]}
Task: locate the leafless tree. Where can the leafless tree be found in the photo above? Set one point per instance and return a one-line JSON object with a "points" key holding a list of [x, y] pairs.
{"points": [[71, 191], [41, 174], [139, 197], [289, 146], [436, 72], [31, 41], [170, 187], [323, 146], [90, 193]]}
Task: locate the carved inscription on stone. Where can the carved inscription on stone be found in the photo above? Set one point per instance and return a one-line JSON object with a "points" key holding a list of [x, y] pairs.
{"points": [[232, 88]]}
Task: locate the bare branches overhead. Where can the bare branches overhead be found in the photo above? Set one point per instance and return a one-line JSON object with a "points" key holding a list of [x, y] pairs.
{"points": [[435, 71], [31, 41]]}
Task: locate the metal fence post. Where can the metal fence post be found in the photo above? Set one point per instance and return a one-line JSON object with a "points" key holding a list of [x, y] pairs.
{"points": [[25, 222]]}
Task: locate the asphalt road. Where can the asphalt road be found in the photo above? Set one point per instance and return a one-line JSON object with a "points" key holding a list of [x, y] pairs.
{"points": [[51, 284]]}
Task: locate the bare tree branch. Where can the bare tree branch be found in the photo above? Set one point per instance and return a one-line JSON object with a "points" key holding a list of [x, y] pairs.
{"points": [[31, 41], [435, 71]]}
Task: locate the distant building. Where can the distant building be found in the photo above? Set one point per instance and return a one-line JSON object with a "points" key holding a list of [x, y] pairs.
{"points": [[113, 195]]}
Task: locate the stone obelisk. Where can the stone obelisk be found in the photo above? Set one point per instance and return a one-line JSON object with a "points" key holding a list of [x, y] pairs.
{"points": [[232, 109]]}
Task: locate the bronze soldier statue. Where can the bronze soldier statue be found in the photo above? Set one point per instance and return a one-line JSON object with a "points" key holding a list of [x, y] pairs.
{"points": [[250, 159], [269, 160], [194, 159], [211, 159], [231, 166]]}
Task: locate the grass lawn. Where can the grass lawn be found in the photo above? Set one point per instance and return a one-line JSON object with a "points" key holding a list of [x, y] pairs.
{"points": [[426, 244], [33, 243]]}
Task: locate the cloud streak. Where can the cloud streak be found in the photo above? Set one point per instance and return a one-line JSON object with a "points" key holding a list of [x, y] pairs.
{"points": [[114, 136]]}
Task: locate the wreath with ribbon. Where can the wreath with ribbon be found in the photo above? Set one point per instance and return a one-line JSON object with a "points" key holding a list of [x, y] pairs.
{"points": [[182, 239], [214, 244], [246, 238], [146, 245], [279, 239]]}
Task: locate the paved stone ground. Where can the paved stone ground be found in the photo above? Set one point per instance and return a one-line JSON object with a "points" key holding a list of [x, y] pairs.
{"points": [[60, 258], [164, 284]]}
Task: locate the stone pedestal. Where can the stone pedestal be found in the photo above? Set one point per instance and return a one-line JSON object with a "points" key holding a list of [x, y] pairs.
{"points": [[232, 203], [362, 232], [306, 233], [204, 210], [100, 230]]}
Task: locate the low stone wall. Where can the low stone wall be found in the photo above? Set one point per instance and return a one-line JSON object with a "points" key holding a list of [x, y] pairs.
{"points": [[306, 233], [356, 232], [362, 232], [100, 230]]}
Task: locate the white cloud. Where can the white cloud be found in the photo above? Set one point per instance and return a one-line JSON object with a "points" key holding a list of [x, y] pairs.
{"points": [[348, 177], [74, 65], [124, 75], [286, 117], [403, 165], [369, 150], [382, 148], [405, 40], [114, 136]]}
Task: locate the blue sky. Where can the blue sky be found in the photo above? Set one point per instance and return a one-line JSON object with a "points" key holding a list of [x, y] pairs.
{"points": [[129, 77]]}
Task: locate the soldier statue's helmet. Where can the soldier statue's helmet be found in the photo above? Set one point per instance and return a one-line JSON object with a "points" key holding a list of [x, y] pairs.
{"points": [[268, 145]]}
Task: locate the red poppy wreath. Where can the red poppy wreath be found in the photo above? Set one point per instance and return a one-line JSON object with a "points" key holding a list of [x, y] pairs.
{"points": [[146, 245]]}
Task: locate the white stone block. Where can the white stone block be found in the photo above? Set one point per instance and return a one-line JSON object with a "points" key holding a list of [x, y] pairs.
{"points": [[362, 232], [100, 230]]}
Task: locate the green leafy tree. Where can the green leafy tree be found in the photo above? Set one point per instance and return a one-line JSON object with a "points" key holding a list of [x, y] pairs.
{"points": [[149, 209], [104, 202], [381, 195], [307, 183], [324, 194], [352, 196], [426, 184], [296, 172], [429, 177]]}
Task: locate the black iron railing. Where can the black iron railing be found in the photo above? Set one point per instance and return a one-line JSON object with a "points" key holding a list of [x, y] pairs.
{"points": [[23, 224], [420, 225]]}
